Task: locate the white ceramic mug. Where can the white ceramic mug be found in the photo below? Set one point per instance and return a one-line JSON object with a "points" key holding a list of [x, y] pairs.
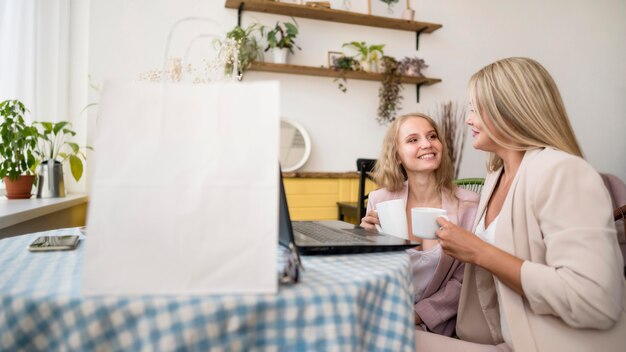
{"points": [[392, 216], [424, 221]]}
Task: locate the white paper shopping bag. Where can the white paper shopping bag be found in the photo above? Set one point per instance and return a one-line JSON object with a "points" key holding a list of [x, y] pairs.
{"points": [[184, 198]]}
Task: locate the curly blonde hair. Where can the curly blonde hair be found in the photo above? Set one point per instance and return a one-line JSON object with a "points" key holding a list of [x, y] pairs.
{"points": [[524, 104], [390, 173]]}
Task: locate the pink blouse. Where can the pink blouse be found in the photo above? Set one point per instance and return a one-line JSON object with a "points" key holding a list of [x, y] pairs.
{"points": [[438, 305]]}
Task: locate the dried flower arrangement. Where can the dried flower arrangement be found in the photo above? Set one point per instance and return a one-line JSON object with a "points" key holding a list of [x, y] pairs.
{"points": [[451, 117], [212, 70], [389, 92]]}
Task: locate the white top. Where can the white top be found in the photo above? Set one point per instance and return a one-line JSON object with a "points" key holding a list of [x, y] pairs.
{"points": [[423, 266], [489, 235]]}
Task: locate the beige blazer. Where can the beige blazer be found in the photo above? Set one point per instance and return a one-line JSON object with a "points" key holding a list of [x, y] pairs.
{"points": [[557, 217]]}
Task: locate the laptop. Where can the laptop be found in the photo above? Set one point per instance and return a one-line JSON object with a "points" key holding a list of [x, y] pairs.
{"points": [[332, 237]]}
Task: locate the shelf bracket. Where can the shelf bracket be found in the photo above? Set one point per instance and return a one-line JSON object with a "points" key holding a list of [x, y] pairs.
{"points": [[239, 11], [417, 90], [417, 37]]}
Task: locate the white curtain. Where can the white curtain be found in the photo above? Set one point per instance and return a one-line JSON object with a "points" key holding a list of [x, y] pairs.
{"points": [[43, 62], [34, 56]]}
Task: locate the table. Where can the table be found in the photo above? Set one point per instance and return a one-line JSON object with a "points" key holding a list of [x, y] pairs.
{"points": [[22, 216], [344, 303]]}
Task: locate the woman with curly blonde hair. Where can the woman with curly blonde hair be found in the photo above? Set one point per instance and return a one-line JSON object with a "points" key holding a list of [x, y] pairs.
{"points": [[415, 166]]}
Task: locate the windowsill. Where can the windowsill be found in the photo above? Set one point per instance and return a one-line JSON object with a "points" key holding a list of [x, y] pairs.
{"points": [[16, 211]]}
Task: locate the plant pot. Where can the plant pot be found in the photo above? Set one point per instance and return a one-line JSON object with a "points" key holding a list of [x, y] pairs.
{"points": [[50, 182], [280, 55], [412, 72], [408, 14], [365, 66], [375, 67], [20, 188]]}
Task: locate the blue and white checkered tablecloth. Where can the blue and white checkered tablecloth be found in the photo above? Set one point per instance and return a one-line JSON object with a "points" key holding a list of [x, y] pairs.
{"points": [[344, 303]]}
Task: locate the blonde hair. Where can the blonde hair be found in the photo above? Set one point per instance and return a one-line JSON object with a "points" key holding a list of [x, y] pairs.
{"points": [[522, 100], [390, 173]]}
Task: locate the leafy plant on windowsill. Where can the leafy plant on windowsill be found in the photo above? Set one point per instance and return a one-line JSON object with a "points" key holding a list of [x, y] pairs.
{"points": [[389, 92], [19, 141], [54, 146], [344, 64]]}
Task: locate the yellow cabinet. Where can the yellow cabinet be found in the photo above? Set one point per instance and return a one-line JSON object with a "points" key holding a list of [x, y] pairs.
{"points": [[314, 195]]}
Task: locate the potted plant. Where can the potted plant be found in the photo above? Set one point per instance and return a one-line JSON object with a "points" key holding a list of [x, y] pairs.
{"points": [[368, 55], [281, 40], [344, 64], [54, 149], [248, 48], [412, 66], [17, 150]]}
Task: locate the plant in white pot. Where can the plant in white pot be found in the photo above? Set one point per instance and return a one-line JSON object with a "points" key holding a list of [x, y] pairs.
{"points": [[281, 40], [18, 151], [54, 149]]}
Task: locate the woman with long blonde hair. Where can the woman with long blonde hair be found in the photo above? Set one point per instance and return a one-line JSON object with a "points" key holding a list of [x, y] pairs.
{"points": [[415, 166], [543, 268]]}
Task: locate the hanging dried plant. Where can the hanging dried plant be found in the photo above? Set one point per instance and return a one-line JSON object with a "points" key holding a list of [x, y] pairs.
{"points": [[451, 117], [389, 92]]}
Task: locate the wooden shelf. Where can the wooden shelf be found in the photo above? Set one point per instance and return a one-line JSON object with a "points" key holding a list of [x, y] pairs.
{"points": [[327, 72], [331, 15]]}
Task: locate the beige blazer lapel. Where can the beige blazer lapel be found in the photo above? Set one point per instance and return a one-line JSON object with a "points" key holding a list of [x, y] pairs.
{"points": [[511, 302], [479, 288], [490, 184]]}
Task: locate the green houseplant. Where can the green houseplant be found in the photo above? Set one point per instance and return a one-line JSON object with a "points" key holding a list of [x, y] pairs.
{"points": [[368, 55], [344, 64], [18, 151], [281, 39], [248, 48], [54, 146]]}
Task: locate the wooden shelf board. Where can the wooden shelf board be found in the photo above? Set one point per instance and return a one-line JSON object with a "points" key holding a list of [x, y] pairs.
{"points": [[327, 72], [331, 15]]}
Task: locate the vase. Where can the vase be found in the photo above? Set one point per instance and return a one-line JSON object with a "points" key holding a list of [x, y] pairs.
{"points": [[19, 188], [280, 55], [365, 66], [50, 181], [408, 14]]}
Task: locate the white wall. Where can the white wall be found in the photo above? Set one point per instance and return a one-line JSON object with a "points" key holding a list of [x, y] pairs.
{"points": [[580, 42]]}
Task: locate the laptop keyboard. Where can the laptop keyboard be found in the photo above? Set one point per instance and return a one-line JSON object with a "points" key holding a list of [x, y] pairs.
{"points": [[326, 234]]}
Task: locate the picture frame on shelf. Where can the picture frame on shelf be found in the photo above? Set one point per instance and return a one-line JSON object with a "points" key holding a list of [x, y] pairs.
{"points": [[357, 6], [333, 56], [387, 8], [294, 2]]}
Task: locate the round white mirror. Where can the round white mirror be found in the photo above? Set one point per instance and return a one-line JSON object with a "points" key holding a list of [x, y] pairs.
{"points": [[295, 145]]}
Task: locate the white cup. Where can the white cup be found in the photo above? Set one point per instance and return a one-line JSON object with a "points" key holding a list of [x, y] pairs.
{"points": [[392, 216], [424, 221]]}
